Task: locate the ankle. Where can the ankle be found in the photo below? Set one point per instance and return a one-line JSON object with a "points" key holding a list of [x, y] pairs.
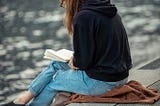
{"points": [[19, 101], [24, 98]]}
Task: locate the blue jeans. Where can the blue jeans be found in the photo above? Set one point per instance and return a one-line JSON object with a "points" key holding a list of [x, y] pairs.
{"points": [[59, 77]]}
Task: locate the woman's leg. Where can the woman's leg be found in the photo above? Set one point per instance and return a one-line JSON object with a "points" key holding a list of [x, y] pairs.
{"points": [[72, 81], [42, 80], [23, 99], [77, 81], [39, 83]]}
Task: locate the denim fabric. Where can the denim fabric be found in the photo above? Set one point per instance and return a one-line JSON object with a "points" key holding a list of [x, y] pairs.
{"points": [[59, 77]]}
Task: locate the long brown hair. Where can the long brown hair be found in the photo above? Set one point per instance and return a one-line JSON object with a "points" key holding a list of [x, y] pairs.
{"points": [[71, 10]]}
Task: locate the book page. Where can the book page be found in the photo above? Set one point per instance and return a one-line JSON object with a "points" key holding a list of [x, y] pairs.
{"points": [[61, 55], [65, 54]]}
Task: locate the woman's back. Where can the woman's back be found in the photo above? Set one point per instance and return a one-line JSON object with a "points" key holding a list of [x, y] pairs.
{"points": [[101, 43]]}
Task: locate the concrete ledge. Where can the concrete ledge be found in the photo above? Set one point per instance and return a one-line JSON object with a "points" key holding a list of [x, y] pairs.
{"points": [[146, 73]]}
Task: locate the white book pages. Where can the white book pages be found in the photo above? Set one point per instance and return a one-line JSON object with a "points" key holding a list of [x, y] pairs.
{"points": [[61, 55]]}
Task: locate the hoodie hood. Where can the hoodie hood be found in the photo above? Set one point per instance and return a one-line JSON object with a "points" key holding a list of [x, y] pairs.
{"points": [[102, 6]]}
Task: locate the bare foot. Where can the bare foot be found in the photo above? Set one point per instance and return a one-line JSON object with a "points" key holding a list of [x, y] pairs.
{"points": [[19, 101], [24, 98]]}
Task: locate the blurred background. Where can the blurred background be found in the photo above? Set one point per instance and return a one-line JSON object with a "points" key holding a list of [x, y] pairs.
{"points": [[28, 27]]}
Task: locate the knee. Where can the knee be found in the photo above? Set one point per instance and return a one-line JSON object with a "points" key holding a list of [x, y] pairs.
{"points": [[53, 63]]}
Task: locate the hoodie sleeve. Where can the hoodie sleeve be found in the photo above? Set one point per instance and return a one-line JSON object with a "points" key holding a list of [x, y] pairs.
{"points": [[83, 41]]}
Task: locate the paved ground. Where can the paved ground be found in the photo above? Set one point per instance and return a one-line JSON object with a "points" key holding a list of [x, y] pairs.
{"points": [[27, 29]]}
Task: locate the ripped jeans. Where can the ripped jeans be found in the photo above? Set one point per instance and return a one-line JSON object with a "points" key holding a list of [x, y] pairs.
{"points": [[59, 77]]}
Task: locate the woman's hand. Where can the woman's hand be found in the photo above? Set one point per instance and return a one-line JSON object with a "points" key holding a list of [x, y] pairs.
{"points": [[70, 64]]}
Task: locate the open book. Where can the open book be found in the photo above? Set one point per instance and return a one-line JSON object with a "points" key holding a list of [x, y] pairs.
{"points": [[63, 55]]}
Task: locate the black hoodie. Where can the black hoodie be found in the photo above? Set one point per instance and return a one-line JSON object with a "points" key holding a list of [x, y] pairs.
{"points": [[100, 42]]}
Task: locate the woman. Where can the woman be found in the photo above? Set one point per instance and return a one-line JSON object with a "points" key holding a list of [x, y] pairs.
{"points": [[101, 59]]}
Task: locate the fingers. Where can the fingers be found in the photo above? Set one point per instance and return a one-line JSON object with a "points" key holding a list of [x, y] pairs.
{"points": [[70, 64]]}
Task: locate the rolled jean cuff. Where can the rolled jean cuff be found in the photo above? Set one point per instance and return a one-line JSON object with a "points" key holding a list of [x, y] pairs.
{"points": [[32, 91]]}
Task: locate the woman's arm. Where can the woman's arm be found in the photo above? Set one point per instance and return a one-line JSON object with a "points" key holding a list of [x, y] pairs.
{"points": [[83, 40]]}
